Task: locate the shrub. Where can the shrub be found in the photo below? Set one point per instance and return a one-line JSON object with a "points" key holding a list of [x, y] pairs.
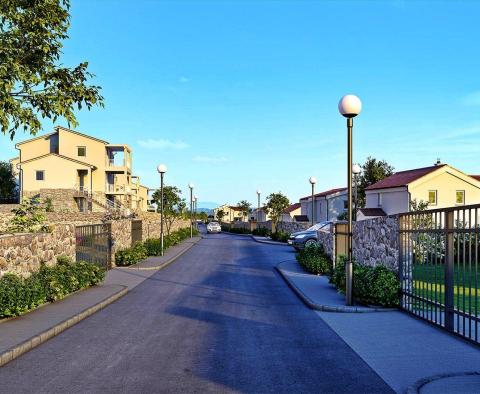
{"points": [[131, 255], [314, 260], [152, 245], [262, 232], [280, 236], [19, 295], [372, 285]]}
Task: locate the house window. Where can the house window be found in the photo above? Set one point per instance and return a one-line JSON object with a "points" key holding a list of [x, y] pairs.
{"points": [[432, 197], [40, 175], [345, 204], [81, 151], [460, 197], [379, 199]]}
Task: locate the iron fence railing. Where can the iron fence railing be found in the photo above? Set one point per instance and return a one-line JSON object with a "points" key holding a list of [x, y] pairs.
{"points": [[439, 267]]}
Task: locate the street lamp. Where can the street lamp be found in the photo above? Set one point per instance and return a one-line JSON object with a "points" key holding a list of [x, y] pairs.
{"points": [[258, 205], [312, 181], [196, 209], [191, 186], [356, 169], [349, 106], [162, 169]]}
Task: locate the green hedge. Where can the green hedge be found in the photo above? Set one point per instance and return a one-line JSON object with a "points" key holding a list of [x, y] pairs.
{"points": [[236, 230], [261, 232], [280, 236], [314, 260], [19, 295], [151, 247], [372, 285]]}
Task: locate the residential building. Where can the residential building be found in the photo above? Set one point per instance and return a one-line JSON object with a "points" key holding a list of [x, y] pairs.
{"points": [[327, 205], [78, 172], [291, 213], [440, 185], [232, 214], [263, 216]]}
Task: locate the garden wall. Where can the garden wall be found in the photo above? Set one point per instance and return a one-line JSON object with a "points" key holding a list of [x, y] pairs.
{"points": [[22, 254], [375, 242], [292, 227]]}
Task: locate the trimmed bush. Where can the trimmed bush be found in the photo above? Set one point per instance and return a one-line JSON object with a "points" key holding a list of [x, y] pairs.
{"points": [[131, 255], [261, 232], [280, 236], [372, 285], [19, 295], [314, 260], [236, 230], [151, 247]]}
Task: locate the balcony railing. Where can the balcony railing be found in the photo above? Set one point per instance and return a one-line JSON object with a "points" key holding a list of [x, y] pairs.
{"points": [[124, 163], [111, 188]]}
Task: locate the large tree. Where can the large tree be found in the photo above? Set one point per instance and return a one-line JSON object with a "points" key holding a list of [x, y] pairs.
{"points": [[245, 207], [373, 171], [275, 206], [7, 181], [220, 214], [34, 84], [173, 205]]}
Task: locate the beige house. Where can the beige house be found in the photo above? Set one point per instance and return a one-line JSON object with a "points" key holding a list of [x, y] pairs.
{"points": [[440, 185], [232, 214], [78, 171]]}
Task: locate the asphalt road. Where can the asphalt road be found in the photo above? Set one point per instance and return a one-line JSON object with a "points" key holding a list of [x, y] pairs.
{"points": [[219, 319]]}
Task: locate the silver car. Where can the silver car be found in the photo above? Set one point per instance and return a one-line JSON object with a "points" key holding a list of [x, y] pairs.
{"points": [[309, 236], [214, 227]]}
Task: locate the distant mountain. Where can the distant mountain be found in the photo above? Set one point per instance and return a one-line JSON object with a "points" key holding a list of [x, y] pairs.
{"points": [[208, 211]]}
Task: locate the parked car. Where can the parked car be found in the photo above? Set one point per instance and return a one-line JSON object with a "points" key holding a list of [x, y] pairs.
{"points": [[214, 227], [301, 239]]}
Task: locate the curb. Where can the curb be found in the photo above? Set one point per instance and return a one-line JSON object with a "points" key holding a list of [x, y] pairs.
{"points": [[44, 336], [417, 386], [327, 308], [163, 265], [257, 240]]}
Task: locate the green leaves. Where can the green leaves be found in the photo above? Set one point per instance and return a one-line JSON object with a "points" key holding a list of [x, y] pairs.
{"points": [[28, 217], [276, 205], [7, 181], [373, 170], [314, 260], [33, 85]]}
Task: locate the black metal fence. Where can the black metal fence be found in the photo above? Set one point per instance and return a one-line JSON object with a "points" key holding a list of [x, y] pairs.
{"points": [[93, 244], [439, 267]]}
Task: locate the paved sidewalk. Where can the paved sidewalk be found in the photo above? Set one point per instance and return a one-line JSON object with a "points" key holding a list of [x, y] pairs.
{"points": [[23, 333], [408, 354]]}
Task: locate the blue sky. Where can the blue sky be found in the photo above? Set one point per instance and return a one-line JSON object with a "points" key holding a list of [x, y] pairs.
{"points": [[235, 95]]}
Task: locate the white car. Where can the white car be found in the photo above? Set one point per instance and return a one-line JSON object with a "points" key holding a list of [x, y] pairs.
{"points": [[214, 227]]}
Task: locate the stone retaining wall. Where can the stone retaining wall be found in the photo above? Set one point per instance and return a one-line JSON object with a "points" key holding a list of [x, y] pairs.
{"points": [[293, 227], [22, 254], [121, 233]]}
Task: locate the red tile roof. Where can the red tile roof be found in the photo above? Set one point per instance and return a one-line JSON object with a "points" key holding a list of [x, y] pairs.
{"points": [[403, 178], [477, 177], [325, 193], [292, 208], [372, 212]]}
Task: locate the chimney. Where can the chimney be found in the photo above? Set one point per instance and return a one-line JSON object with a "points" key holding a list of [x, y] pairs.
{"points": [[438, 161]]}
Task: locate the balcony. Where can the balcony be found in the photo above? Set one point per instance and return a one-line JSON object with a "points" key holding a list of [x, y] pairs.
{"points": [[116, 189]]}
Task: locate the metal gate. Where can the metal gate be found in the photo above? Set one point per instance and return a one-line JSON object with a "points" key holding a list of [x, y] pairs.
{"points": [[93, 244], [136, 231], [439, 267]]}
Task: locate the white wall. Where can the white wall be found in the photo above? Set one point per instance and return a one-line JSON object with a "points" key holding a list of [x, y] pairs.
{"points": [[336, 206], [393, 200]]}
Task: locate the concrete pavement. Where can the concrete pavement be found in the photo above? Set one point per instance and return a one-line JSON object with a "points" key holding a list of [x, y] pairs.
{"points": [[218, 320]]}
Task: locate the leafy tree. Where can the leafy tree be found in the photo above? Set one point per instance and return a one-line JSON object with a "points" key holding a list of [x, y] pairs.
{"points": [[203, 216], [221, 214], [245, 207], [276, 204], [173, 205], [373, 171], [28, 217], [33, 82], [7, 181]]}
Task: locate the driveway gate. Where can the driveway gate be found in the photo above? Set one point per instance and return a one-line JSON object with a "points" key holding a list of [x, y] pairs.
{"points": [[93, 244], [439, 267]]}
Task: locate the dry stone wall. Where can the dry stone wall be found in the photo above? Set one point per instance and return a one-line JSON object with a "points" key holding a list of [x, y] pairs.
{"points": [[292, 227], [23, 254]]}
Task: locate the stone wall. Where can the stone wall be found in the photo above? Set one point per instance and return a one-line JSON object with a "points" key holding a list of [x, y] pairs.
{"points": [[375, 241], [121, 233], [292, 227], [62, 199], [22, 254]]}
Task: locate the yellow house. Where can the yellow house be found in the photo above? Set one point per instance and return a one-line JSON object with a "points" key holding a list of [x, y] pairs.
{"points": [[77, 171], [232, 214], [440, 185]]}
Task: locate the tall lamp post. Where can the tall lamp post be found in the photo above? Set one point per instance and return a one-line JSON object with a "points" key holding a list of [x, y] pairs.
{"points": [[195, 210], [356, 169], [258, 204], [162, 169], [349, 106], [191, 186], [312, 181]]}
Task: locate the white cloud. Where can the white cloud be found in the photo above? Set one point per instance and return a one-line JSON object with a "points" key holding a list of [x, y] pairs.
{"points": [[472, 99], [162, 144], [210, 159], [183, 79]]}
